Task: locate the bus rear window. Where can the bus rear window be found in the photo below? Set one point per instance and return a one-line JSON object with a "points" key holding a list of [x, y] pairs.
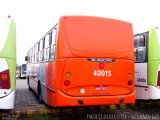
{"points": [[139, 41], [140, 47]]}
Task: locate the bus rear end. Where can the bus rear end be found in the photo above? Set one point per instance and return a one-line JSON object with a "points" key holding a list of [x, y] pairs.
{"points": [[7, 63], [94, 62], [147, 66]]}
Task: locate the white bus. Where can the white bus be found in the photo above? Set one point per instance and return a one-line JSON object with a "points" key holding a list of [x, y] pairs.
{"points": [[147, 66]]}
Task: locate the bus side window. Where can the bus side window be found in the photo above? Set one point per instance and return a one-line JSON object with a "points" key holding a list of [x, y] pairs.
{"points": [[52, 44], [31, 56], [43, 51], [46, 51], [28, 54], [40, 51], [37, 52]]}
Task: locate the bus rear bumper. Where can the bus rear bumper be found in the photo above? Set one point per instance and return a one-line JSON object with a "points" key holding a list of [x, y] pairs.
{"points": [[65, 100], [154, 92], [149, 92], [142, 93], [7, 102], [146, 93]]}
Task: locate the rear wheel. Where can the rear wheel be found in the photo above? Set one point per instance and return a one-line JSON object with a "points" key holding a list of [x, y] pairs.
{"points": [[39, 93], [20, 76], [28, 83]]}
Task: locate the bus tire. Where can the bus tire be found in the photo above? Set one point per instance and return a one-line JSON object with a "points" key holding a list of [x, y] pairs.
{"points": [[20, 76], [29, 88], [39, 93]]}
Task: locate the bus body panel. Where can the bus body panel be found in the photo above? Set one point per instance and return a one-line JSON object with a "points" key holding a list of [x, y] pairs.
{"points": [[141, 78], [142, 93], [35, 77], [154, 64], [100, 32], [8, 101], [5, 25], [55, 71], [51, 74], [60, 99], [154, 57], [32, 80], [3, 64], [10, 44], [153, 72], [43, 78], [4, 69], [12, 71], [119, 43], [96, 81], [154, 92]]}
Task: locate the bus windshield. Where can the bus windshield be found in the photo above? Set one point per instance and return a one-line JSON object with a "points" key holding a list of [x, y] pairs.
{"points": [[23, 68]]}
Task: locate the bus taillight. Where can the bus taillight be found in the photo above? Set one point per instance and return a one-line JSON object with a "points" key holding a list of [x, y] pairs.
{"points": [[101, 65], [68, 75], [66, 82], [158, 79], [4, 80], [4, 76], [129, 82], [129, 75]]}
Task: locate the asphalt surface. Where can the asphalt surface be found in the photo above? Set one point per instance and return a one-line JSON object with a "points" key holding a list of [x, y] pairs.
{"points": [[27, 107]]}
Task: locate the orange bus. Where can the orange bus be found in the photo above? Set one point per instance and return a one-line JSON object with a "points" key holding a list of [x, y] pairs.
{"points": [[83, 61]]}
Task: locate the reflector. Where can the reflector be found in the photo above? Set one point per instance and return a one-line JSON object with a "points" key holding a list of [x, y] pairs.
{"points": [[66, 82]]}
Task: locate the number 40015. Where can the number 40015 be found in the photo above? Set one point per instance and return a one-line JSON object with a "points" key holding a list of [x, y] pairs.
{"points": [[106, 73]]}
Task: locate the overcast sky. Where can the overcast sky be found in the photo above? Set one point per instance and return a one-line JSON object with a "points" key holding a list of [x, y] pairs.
{"points": [[35, 17]]}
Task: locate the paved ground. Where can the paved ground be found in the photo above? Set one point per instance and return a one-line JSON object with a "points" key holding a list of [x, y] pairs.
{"points": [[28, 108], [25, 99]]}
